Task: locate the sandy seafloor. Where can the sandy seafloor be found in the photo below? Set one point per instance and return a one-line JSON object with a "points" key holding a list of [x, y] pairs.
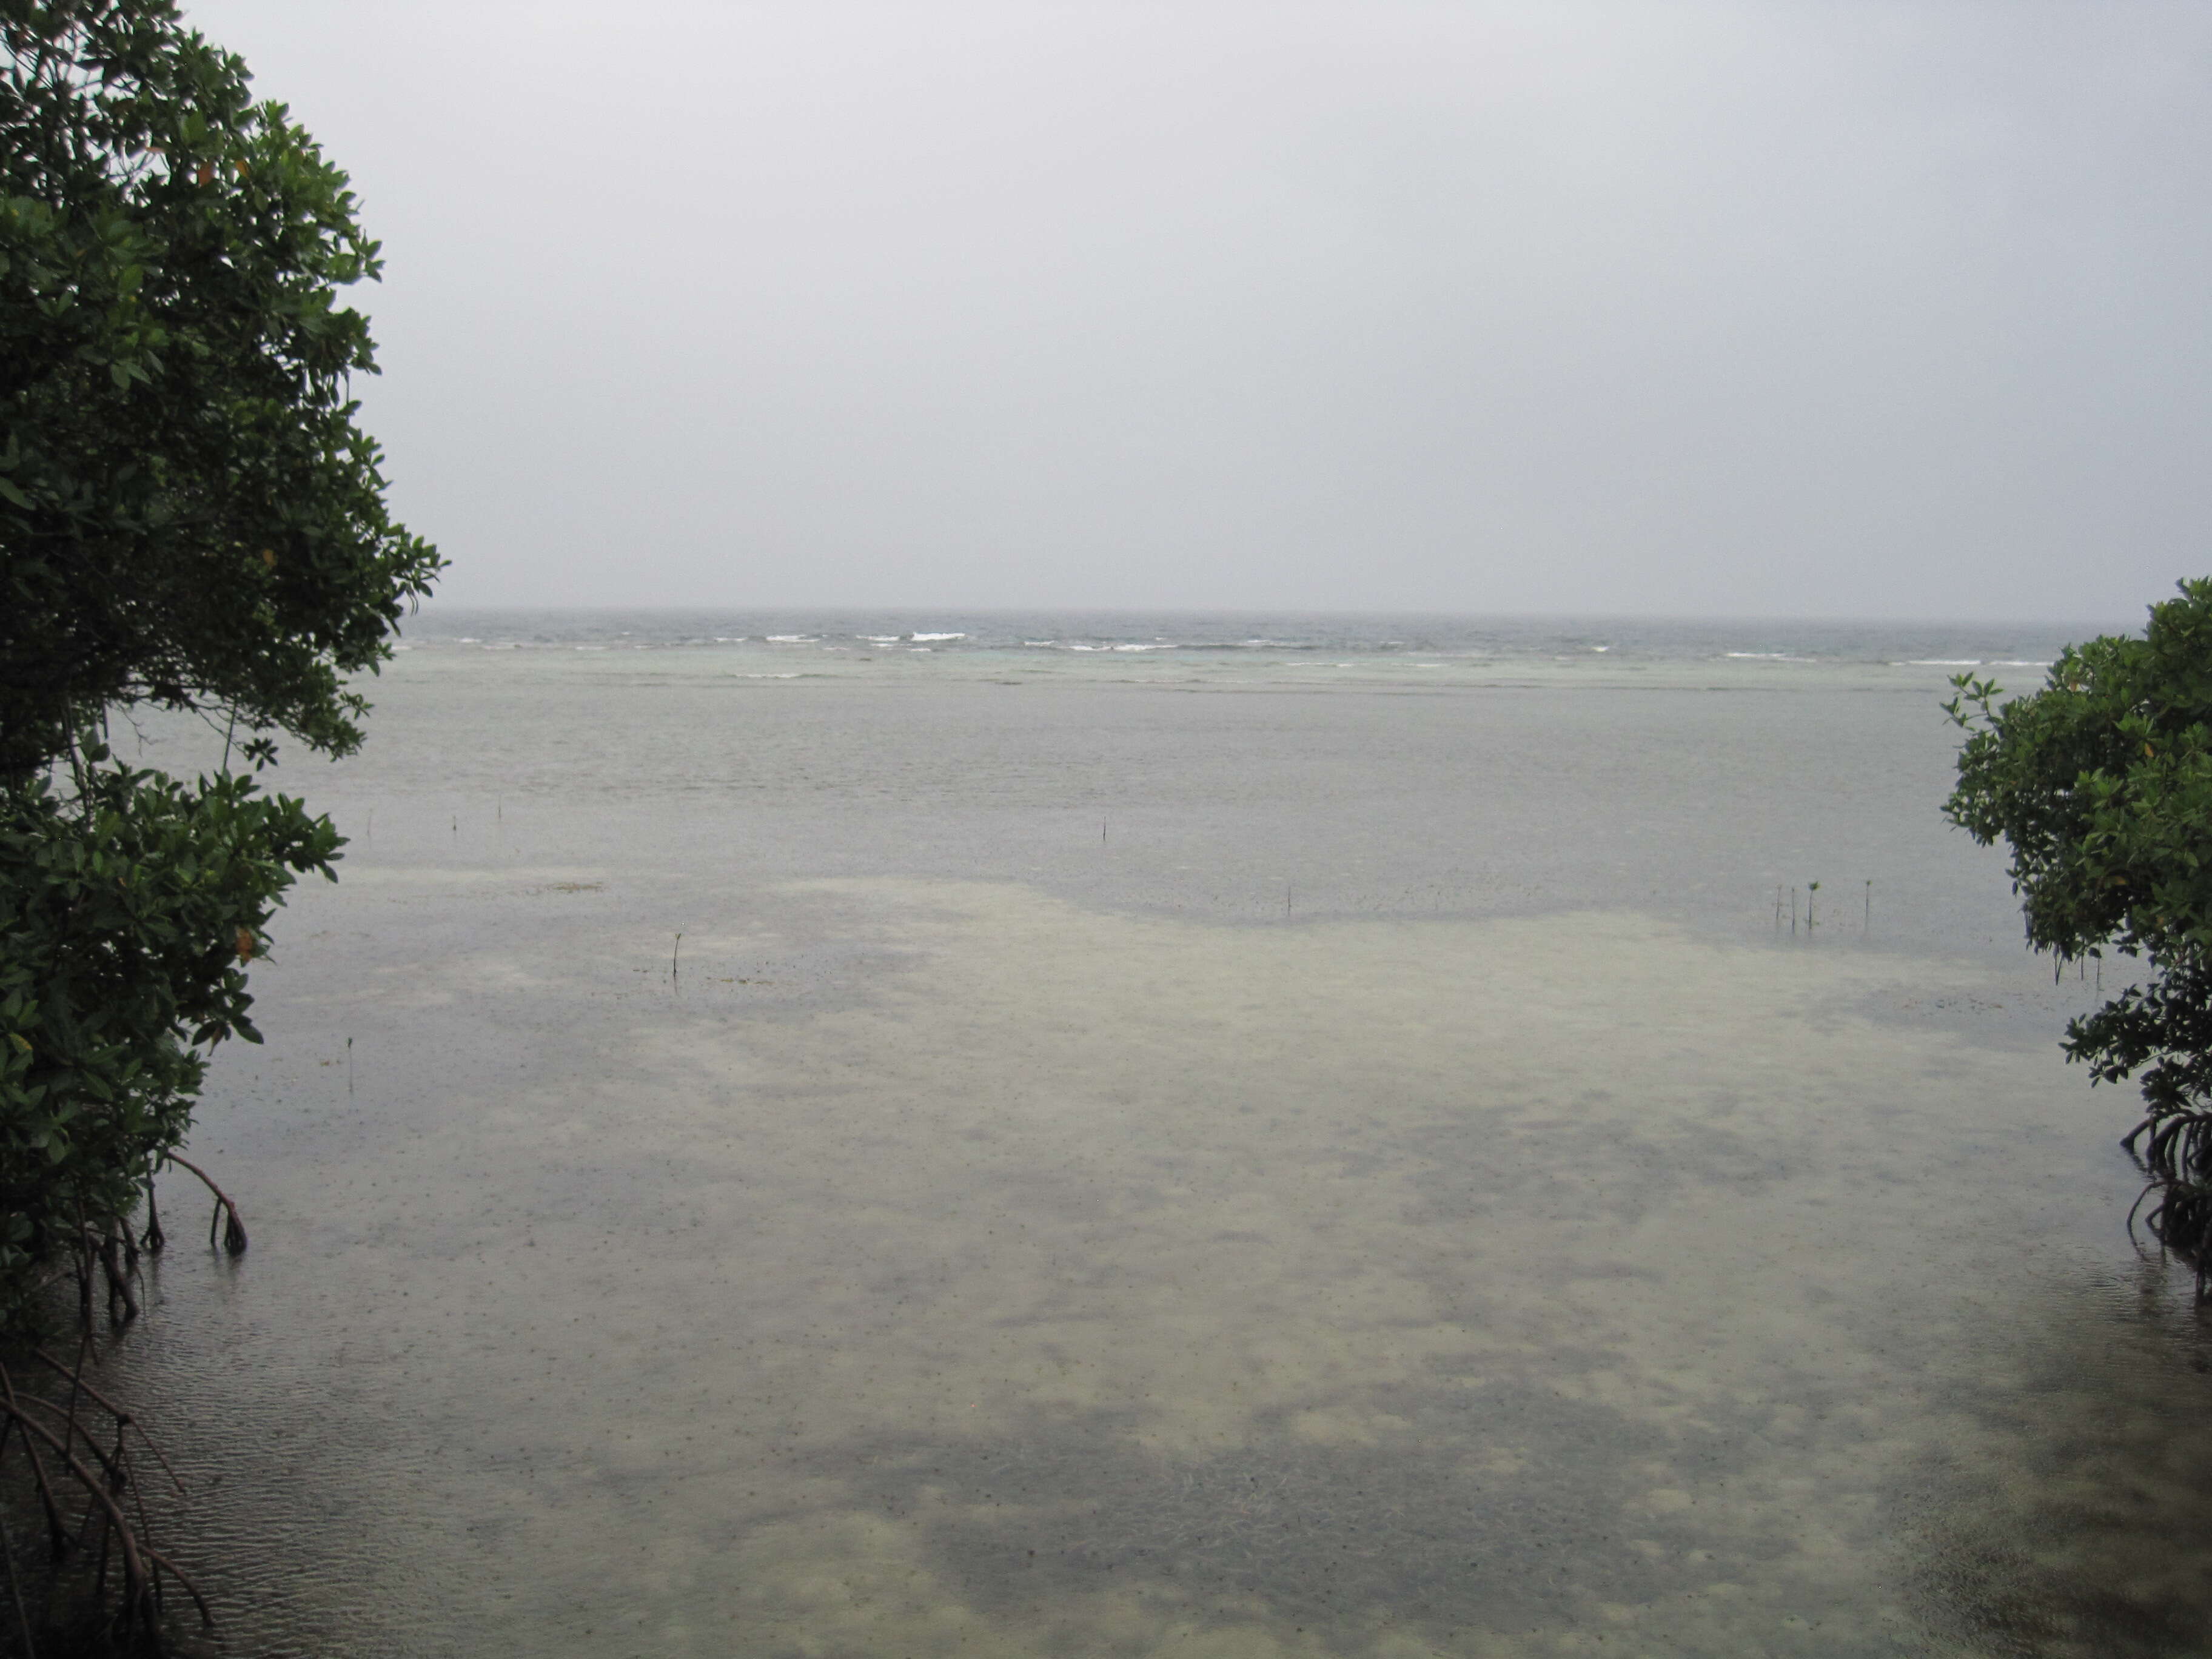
{"points": [[1133, 1164]]}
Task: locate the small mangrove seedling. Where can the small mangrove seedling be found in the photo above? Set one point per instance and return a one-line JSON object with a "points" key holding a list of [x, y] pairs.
{"points": [[1867, 926], [1811, 887], [674, 957], [349, 1064], [1793, 913]]}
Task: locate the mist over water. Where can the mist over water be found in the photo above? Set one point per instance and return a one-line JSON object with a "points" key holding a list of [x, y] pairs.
{"points": [[1146, 1153]]}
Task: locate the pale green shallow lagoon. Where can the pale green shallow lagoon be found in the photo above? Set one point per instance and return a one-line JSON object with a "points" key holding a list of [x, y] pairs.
{"points": [[1396, 1195]]}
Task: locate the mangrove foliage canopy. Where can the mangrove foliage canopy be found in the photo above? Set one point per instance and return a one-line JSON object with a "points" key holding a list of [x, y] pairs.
{"points": [[2100, 784], [191, 519]]}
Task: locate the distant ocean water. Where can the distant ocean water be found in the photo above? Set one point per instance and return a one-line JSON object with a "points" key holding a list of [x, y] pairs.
{"points": [[1232, 648]]}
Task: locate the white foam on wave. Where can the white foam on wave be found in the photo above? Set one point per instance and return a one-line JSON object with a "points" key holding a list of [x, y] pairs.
{"points": [[792, 676], [2017, 662], [1944, 662], [937, 636], [790, 639], [1040, 641], [878, 639], [1765, 656]]}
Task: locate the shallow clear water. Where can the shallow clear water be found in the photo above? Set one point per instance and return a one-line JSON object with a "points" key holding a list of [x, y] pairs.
{"points": [[1216, 1167]]}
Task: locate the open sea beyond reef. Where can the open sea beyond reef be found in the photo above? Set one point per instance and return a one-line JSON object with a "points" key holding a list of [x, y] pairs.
{"points": [[1220, 1137]]}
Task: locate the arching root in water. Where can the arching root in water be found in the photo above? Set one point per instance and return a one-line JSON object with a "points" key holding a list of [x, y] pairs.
{"points": [[233, 1229]]}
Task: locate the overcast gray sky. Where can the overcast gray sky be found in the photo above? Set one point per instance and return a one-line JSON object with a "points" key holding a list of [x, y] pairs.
{"points": [[1849, 308]]}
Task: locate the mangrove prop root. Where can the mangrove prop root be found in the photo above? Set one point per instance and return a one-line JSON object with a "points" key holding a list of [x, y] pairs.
{"points": [[83, 1348], [15, 1593], [119, 1271], [191, 1588], [138, 1589], [57, 1533], [109, 1466], [2174, 1150], [102, 1480], [233, 1234], [123, 1419]]}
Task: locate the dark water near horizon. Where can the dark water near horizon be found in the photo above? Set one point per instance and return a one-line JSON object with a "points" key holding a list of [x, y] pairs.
{"points": [[1179, 1153]]}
